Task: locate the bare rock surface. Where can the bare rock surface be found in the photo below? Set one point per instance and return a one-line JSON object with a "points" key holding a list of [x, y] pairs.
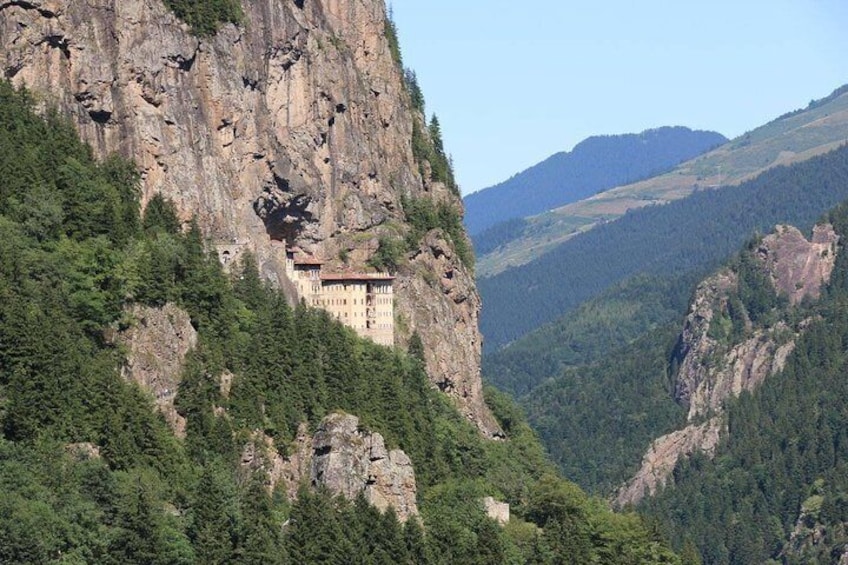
{"points": [[744, 367], [343, 458], [496, 510], [798, 267], [157, 344], [711, 371], [663, 455], [83, 451], [293, 127]]}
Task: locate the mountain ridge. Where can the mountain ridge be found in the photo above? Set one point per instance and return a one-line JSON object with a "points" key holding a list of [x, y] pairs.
{"points": [[594, 164], [794, 137], [684, 234]]}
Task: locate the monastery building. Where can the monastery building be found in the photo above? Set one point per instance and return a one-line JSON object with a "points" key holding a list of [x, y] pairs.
{"points": [[362, 301]]}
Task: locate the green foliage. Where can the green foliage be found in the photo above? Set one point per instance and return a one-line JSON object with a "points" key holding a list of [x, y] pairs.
{"points": [[596, 419], [161, 216], [390, 32], [91, 473], [415, 92], [756, 292], [599, 326], [389, 254], [428, 150], [206, 16], [498, 235], [423, 215]]}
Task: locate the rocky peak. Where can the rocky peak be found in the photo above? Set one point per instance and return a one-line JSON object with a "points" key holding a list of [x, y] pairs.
{"points": [[294, 127], [715, 366], [799, 268]]}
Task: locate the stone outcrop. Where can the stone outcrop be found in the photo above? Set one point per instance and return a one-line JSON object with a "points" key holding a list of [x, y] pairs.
{"points": [[711, 370], [157, 343], [663, 454], [744, 367], [695, 344], [497, 511], [293, 127], [344, 459], [446, 322], [798, 268], [83, 451]]}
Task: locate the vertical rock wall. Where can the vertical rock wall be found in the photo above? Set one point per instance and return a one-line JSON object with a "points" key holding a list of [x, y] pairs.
{"points": [[294, 126]]}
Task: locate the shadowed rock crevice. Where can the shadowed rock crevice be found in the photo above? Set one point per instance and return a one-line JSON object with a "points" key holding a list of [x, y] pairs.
{"points": [[285, 215], [44, 12]]}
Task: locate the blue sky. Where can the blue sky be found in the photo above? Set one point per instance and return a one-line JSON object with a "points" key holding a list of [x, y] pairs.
{"points": [[514, 82]]}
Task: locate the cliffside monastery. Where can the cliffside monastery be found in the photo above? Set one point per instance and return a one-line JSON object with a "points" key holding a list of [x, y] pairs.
{"points": [[362, 301]]}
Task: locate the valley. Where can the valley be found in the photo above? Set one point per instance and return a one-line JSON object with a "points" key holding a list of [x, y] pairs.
{"points": [[247, 316]]}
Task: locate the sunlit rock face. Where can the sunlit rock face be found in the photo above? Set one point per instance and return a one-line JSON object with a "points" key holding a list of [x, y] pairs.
{"points": [[711, 370], [294, 127]]}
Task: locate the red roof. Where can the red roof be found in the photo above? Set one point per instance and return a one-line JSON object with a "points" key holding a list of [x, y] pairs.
{"points": [[356, 277]]}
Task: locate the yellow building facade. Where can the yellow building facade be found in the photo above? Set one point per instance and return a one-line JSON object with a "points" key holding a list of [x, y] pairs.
{"points": [[361, 301]]}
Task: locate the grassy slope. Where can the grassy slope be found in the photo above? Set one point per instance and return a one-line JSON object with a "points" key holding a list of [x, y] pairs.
{"points": [[792, 138]]}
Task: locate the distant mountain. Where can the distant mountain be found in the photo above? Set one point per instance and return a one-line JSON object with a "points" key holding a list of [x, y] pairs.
{"points": [[680, 236], [794, 137], [597, 163]]}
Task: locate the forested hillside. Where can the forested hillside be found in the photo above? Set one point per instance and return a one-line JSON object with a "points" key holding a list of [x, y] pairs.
{"points": [[595, 164], [777, 488], [684, 235], [92, 474], [597, 327]]}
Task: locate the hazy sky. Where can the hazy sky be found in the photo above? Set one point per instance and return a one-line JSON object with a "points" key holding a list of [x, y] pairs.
{"points": [[514, 82]]}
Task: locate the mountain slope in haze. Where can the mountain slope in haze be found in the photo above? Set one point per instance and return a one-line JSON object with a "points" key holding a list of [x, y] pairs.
{"points": [[590, 333], [791, 138], [596, 163], [683, 235]]}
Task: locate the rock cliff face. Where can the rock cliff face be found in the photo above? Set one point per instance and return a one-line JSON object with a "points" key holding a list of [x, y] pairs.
{"points": [[345, 460], [711, 370], [157, 344], [294, 126], [799, 268]]}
